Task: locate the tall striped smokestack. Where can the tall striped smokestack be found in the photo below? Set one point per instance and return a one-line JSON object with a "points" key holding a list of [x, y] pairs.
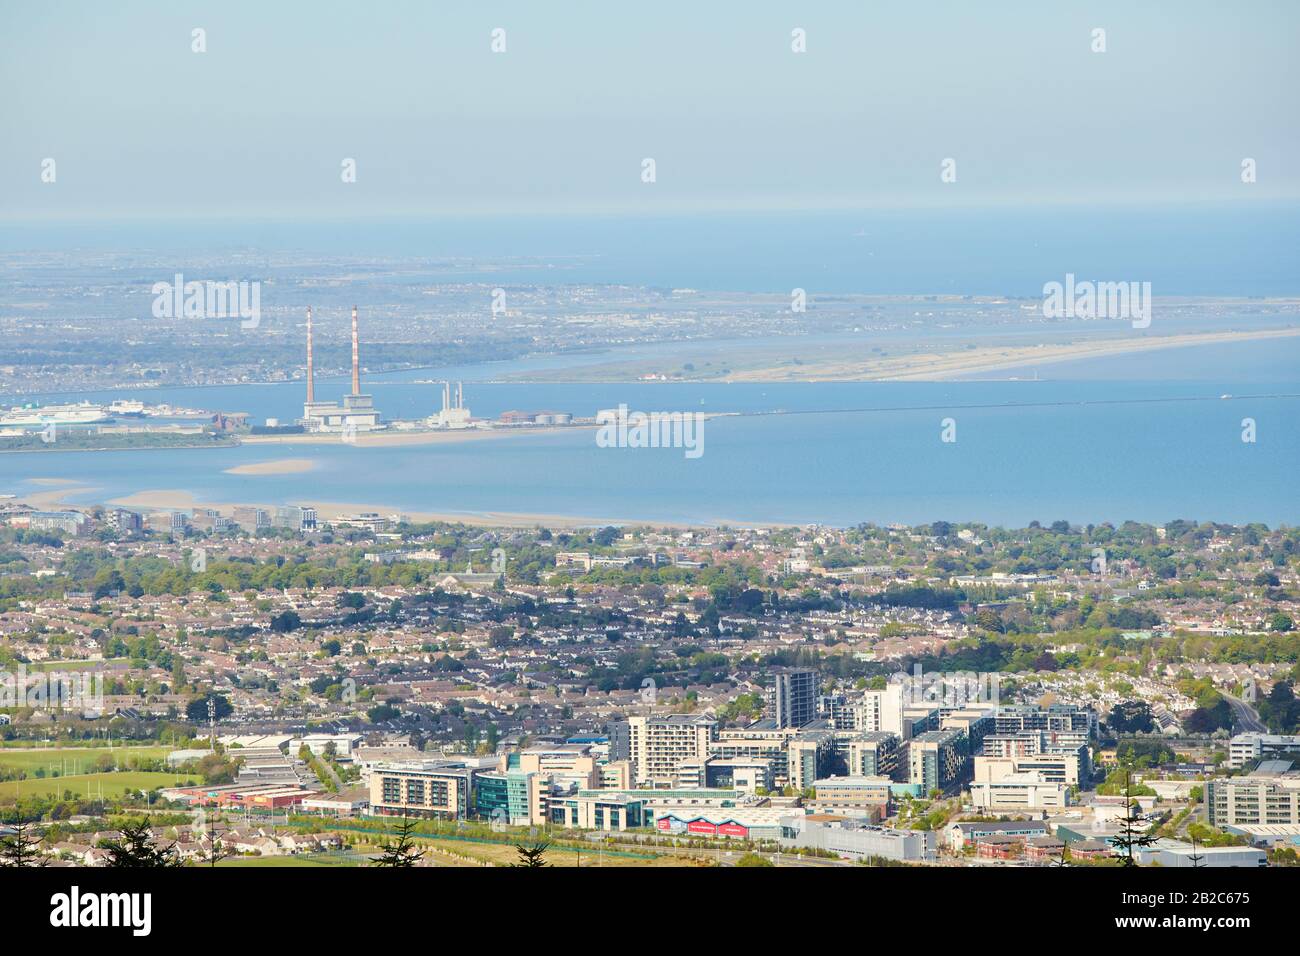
{"points": [[311, 385], [356, 366]]}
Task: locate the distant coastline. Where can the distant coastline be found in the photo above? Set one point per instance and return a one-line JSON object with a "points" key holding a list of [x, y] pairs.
{"points": [[847, 362]]}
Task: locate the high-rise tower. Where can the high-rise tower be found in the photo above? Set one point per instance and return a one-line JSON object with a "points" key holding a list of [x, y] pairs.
{"points": [[311, 385], [356, 364]]}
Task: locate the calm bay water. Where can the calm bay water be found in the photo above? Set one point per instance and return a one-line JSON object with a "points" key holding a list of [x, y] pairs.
{"points": [[1086, 449]]}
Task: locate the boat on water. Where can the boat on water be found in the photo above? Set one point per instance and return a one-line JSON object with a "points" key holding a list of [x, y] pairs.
{"points": [[82, 413]]}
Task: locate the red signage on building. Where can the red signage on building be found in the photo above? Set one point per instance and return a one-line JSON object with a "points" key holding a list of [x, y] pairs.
{"points": [[701, 826], [733, 830]]}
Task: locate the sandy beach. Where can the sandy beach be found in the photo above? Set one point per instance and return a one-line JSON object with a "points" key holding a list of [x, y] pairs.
{"points": [[178, 499], [398, 438], [938, 367], [813, 361], [60, 488], [281, 466]]}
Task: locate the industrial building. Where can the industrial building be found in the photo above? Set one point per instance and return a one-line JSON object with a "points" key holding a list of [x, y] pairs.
{"points": [[851, 838], [1177, 853], [452, 415], [356, 413]]}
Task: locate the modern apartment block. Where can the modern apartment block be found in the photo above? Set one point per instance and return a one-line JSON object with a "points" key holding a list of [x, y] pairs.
{"points": [[836, 710], [1051, 745], [792, 698], [880, 710], [807, 758], [874, 754], [423, 788], [1015, 718], [975, 722], [658, 745], [760, 741], [937, 759]]}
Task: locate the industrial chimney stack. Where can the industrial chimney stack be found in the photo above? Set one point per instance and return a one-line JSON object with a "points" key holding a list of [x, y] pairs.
{"points": [[311, 386], [356, 365]]}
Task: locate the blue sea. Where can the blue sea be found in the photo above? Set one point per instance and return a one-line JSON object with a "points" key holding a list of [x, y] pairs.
{"points": [[1078, 445], [1145, 436]]}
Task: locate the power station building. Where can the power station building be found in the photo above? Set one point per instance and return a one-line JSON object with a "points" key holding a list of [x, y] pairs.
{"points": [[356, 413], [451, 416]]}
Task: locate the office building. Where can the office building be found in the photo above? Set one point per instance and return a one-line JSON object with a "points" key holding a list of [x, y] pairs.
{"points": [[1005, 792], [1247, 748], [1270, 796]]}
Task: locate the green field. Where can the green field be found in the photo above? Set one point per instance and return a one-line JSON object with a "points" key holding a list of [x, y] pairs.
{"points": [[57, 665], [322, 859], [73, 760], [113, 784]]}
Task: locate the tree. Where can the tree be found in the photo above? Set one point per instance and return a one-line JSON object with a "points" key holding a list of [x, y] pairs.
{"points": [[1133, 826], [285, 622], [1131, 717], [531, 856], [21, 849], [404, 852], [753, 859], [136, 849], [197, 709]]}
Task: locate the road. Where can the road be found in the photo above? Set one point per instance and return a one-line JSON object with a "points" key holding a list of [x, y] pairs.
{"points": [[1246, 717]]}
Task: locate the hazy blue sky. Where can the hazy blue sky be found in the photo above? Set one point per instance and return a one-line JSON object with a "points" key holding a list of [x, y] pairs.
{"points": [[258, 125]]}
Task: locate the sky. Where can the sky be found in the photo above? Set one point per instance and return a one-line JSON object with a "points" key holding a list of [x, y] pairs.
{"points": [[141, 126]]}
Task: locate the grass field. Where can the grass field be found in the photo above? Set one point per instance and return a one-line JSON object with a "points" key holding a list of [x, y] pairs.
{"points": [[315, 860], [73, 760], [502, 853], [57, 665], [113, 784]]}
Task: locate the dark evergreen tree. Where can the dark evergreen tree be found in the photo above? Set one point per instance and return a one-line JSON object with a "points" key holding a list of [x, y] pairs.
{"points": [[1134, 826], [532, 856], [404, 852], [136, 849], [21, 849]]}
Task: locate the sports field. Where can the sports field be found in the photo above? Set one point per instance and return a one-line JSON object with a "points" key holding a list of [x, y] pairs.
{"points": [[87, 785], [73, 760]]}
